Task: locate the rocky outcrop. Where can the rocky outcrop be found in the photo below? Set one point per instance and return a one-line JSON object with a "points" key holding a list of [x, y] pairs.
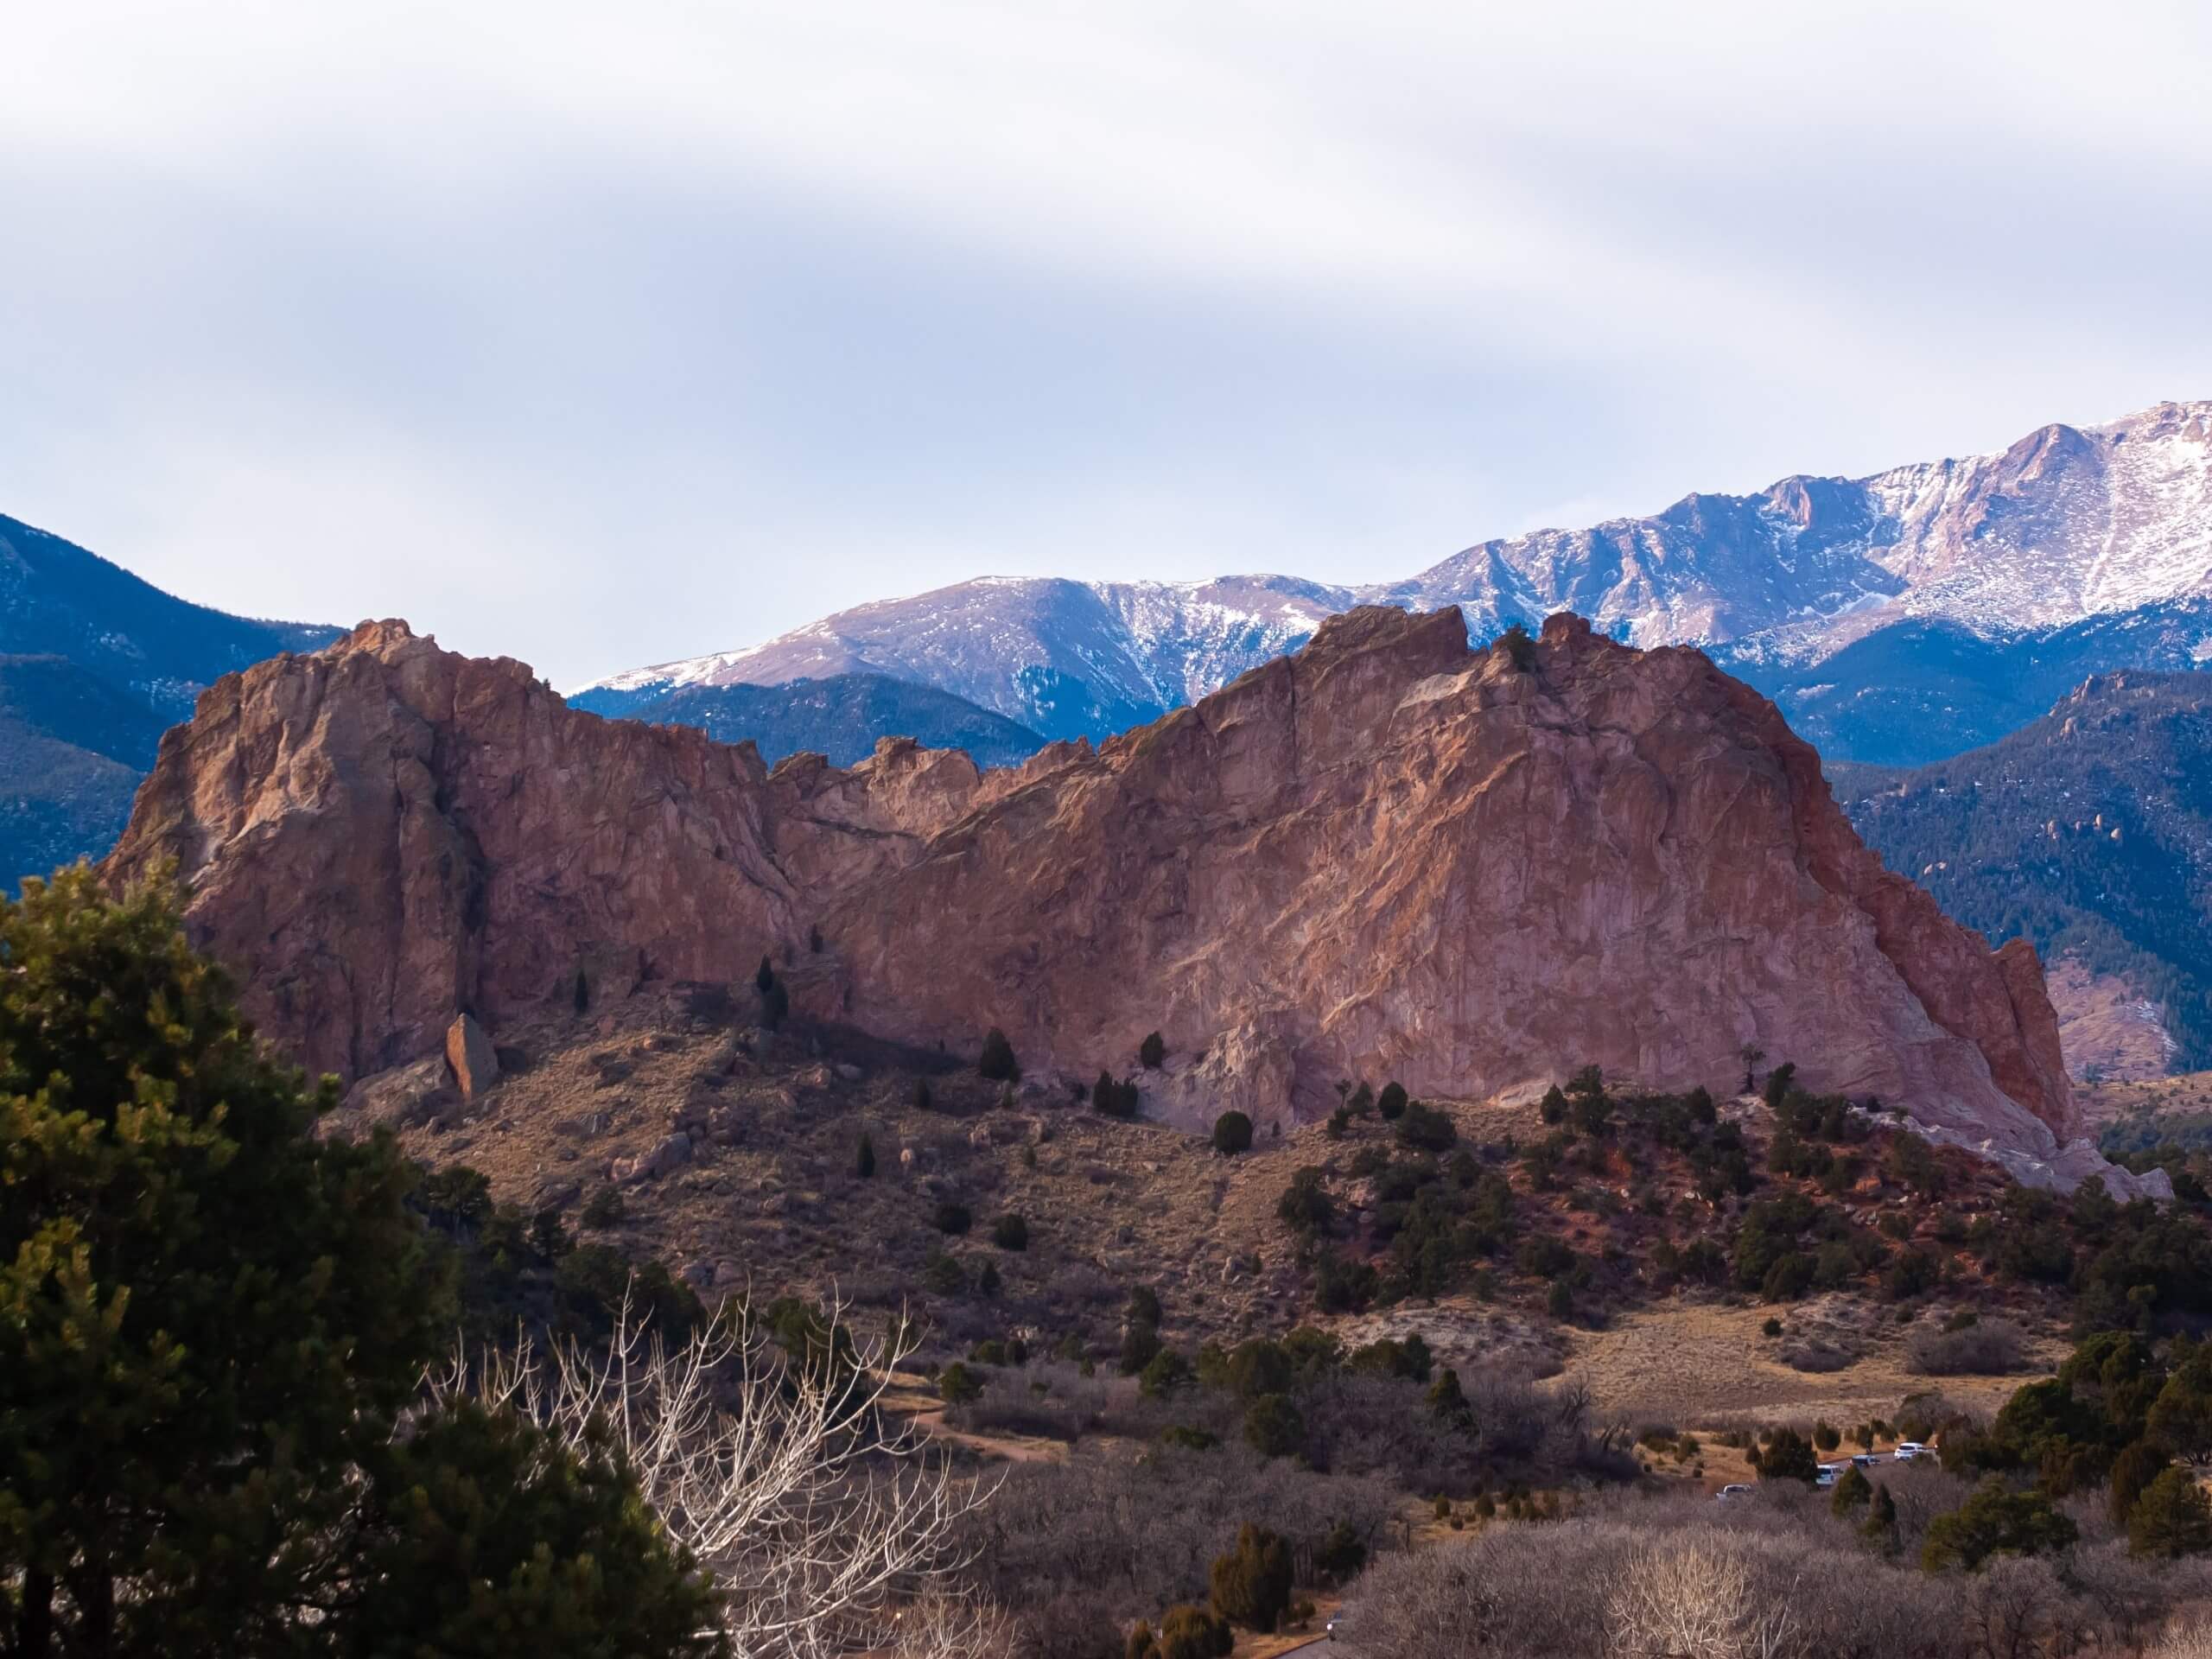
{"points": [[1385, 856]]}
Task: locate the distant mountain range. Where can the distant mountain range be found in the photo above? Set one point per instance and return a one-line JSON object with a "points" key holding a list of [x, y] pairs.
{"points": [[1896, 619], [2087, 831], [840, 717], [94, 665]]}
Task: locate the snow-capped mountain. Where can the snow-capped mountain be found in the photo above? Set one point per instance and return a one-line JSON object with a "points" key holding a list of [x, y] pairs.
{"points": [[1064, 659], [2072, 534]]}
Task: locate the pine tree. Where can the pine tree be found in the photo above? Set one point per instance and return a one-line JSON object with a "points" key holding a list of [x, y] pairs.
{"points": [[864, 1157], [562, 1560], [1881, 1522], [1853, 1490], [210, 1324], [1152, 1052], [765, 976], [2139, 1464], [1251, 1585], [1788, 1456], [2172, 1519], [1447, 1401]]}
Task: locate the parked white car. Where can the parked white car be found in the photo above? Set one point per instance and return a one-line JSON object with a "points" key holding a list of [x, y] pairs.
{"points": [[1830, 1473], [1908, 1450], [1733, 1489]]}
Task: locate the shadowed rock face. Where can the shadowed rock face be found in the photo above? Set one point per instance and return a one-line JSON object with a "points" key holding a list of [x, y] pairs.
{"points": [[1385, 856]]}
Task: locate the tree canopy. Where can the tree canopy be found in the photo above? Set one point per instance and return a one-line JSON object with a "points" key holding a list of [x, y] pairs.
{"points": [[214, 1329]]}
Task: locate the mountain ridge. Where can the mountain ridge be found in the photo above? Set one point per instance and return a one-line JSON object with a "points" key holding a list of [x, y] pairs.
{"points": [[2087, 831], [840, 717], [2069, 529], [94, 663]]}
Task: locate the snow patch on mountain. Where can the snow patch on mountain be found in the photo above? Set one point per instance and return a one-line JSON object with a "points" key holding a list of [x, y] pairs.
{"points": [[2067, 525]]}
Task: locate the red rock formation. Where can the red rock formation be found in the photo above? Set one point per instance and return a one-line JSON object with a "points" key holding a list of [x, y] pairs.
{"points": [[1385, 856]]}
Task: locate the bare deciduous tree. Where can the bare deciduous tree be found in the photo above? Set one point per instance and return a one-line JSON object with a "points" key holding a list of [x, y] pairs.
{"points": [[1695, 1599], [828, 1525]]}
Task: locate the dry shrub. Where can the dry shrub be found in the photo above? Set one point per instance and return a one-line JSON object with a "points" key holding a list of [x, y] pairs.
{"points": [[1812, 1355], [2187, 1638], [1694, 1597], [1989, 1348], [1050, 1399], [1076, 1549]]}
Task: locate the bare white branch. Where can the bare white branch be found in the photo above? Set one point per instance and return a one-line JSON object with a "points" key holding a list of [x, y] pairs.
{"points": [[831, 1524]]}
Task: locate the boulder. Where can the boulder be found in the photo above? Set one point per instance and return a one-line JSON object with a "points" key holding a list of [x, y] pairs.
{"points": [[398, 1098], [469, 1053], [671, 1154]]}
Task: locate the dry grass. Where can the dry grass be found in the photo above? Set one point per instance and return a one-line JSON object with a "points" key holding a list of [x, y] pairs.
{"points": [[2107, 1102], [770, 1199], [1686, 1363]]}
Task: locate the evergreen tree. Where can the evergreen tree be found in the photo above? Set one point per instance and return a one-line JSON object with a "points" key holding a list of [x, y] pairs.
{"points": [[1251, 1585], [1851, 1490], [1391, 1102], [211, 1325], [480, 1535], [764, 978], [1881, 1522], [2172, 1519], [1140, 1344], [864, 1157], [1994, 1521], [2137, 1464], [1232, 1133], [1152, 1052], [1788, 1456], [1274, 1426], [1447, 1401], [1112, 1098], [205, 1315]]}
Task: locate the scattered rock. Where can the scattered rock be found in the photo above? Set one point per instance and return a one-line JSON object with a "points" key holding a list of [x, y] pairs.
{"points": [[401, 1099], [671, 1154]]}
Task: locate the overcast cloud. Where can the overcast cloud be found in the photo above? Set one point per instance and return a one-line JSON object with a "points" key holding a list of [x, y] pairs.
{"points": [[600, 335]]}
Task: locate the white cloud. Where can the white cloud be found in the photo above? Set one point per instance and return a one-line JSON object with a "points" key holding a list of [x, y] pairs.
{"points": [[649, 329]]}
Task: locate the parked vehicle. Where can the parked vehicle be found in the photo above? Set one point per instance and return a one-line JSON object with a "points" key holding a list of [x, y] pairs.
{"points": [[1830, 1473], [1733, 1489], [1335, 1628], [1908, 1450], [1864, 1459]]}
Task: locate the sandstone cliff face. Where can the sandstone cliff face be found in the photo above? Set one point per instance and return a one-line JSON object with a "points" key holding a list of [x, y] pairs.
{"points": [[385, 832], [1385, 856]]}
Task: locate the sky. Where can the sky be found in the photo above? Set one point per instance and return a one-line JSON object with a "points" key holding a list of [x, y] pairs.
{"points": [[601, 335]]}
